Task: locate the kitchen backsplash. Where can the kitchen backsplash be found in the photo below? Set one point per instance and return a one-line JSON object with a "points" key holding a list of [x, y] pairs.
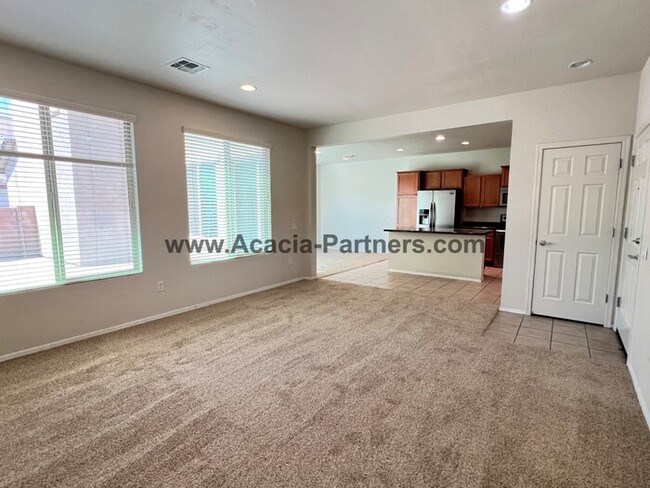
{"points": [[483, 214]]}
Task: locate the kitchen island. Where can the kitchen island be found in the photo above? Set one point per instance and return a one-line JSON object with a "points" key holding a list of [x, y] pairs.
{"points": [[448, 252]]}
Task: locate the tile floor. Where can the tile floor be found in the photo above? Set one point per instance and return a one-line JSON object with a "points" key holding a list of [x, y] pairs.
{"points": [[377, 274], [557, 335]]}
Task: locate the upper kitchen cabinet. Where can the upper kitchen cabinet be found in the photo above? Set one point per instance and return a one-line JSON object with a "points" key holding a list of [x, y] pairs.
{"points": [[408, 182], [482, 191], [432, 180], [472, 192], [449, 179], [453, 179], [490, 190], [505, 176]]}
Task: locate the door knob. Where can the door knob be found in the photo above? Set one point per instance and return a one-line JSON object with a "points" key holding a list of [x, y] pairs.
{"points": [[542, 242], [637, 240], [633, 256]]}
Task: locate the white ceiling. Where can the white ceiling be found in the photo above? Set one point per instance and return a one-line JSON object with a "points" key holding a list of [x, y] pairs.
{"points": [[322, 62], [486, 136]]}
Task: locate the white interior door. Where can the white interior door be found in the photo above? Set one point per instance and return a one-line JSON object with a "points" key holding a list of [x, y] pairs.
{"points": [[630, 254], [574, 243]]}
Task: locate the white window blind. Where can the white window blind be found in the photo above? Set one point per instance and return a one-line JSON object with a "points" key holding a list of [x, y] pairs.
{"points": [[68, 206], [229, 194]]}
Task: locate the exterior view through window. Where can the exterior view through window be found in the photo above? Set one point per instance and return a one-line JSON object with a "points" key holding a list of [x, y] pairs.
{"points": [[68, 205], [229, 195]]}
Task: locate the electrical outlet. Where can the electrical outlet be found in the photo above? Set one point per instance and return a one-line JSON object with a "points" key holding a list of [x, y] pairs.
{"points": [[294, 226], [290, 260], [161, 286]]}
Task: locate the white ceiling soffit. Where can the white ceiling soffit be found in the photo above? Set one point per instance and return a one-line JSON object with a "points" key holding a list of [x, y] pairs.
{"points": [[323, 62], [487, 136]]}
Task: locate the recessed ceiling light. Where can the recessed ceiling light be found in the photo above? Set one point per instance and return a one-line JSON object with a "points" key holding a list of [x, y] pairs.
{"points": [[248, 87], [465, 143], [400, 149], [440, 138], [514, 6], [583, 63]]}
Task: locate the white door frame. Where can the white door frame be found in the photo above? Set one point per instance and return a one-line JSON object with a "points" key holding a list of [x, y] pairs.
{"points": [[626, 147]]}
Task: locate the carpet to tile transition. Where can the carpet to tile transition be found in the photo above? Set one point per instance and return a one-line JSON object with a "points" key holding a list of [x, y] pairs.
{"points": [[334, 261], [319, 384]]}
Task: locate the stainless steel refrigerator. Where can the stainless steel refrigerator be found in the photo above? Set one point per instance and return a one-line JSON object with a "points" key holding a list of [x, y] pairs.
{"points": [[438, 208]]}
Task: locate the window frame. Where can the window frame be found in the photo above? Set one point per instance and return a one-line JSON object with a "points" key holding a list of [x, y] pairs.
{"points": [[235, 140], [49, 159]]}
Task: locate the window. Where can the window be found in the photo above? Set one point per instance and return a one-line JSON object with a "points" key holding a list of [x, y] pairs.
{"points": [[229, 195], [68, 208]]}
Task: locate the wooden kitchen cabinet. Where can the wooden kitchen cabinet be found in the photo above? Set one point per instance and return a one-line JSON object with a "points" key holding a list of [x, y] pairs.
{"points": [[407, 210], [482, 191], [450, 179], [472, 192], [453, 179], [432, 180], [489, 249], [408, 182], [490, 190], [505, 176]]}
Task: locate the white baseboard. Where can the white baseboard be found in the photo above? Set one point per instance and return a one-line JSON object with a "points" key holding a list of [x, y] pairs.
{"points": [[512, 310], [435, 275], [645, 408], [108, 330]]}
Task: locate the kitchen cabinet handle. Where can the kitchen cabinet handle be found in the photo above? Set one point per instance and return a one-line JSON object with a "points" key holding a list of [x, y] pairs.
{"points": [[633, 256]]}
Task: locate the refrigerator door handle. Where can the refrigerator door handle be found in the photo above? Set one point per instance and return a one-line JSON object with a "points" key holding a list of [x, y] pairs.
{"points": [[433, 215]]}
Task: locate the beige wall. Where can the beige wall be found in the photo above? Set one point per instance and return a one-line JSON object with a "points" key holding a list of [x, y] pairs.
{"points": [[643, 111], [639, 359], [598, 108], [35, 318]]}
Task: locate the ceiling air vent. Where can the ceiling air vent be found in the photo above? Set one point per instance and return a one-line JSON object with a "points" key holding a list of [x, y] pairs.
{"points": [[188, 66]]}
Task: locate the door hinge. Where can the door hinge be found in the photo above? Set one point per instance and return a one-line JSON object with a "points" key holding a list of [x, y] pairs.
{"points": [[618, 302], [614, 232], [625, 233], [606, 298], [620, 163], [633, 159]]}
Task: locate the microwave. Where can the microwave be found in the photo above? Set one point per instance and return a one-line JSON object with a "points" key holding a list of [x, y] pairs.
{"points": [[503, 197]]}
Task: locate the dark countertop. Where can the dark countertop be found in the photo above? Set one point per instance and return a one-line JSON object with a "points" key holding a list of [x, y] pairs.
{"points": [[445, 230], [485, 225]]}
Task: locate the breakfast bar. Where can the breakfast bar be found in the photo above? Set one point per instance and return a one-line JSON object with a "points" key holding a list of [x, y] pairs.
{"points": [[448, 252]]}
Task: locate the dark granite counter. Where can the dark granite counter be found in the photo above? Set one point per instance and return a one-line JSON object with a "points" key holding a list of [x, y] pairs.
{"points": [[445, 230]]}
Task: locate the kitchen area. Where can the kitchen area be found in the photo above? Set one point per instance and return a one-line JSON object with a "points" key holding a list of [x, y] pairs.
{"points": [[441, 188], [451, 204]]}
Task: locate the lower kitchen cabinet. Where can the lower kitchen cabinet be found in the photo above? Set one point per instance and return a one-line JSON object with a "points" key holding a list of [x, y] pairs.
{"points": [[489, 249]]}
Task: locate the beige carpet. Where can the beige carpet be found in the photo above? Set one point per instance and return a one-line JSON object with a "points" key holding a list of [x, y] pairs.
{"points": [[333, 261], [319, 384]]}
